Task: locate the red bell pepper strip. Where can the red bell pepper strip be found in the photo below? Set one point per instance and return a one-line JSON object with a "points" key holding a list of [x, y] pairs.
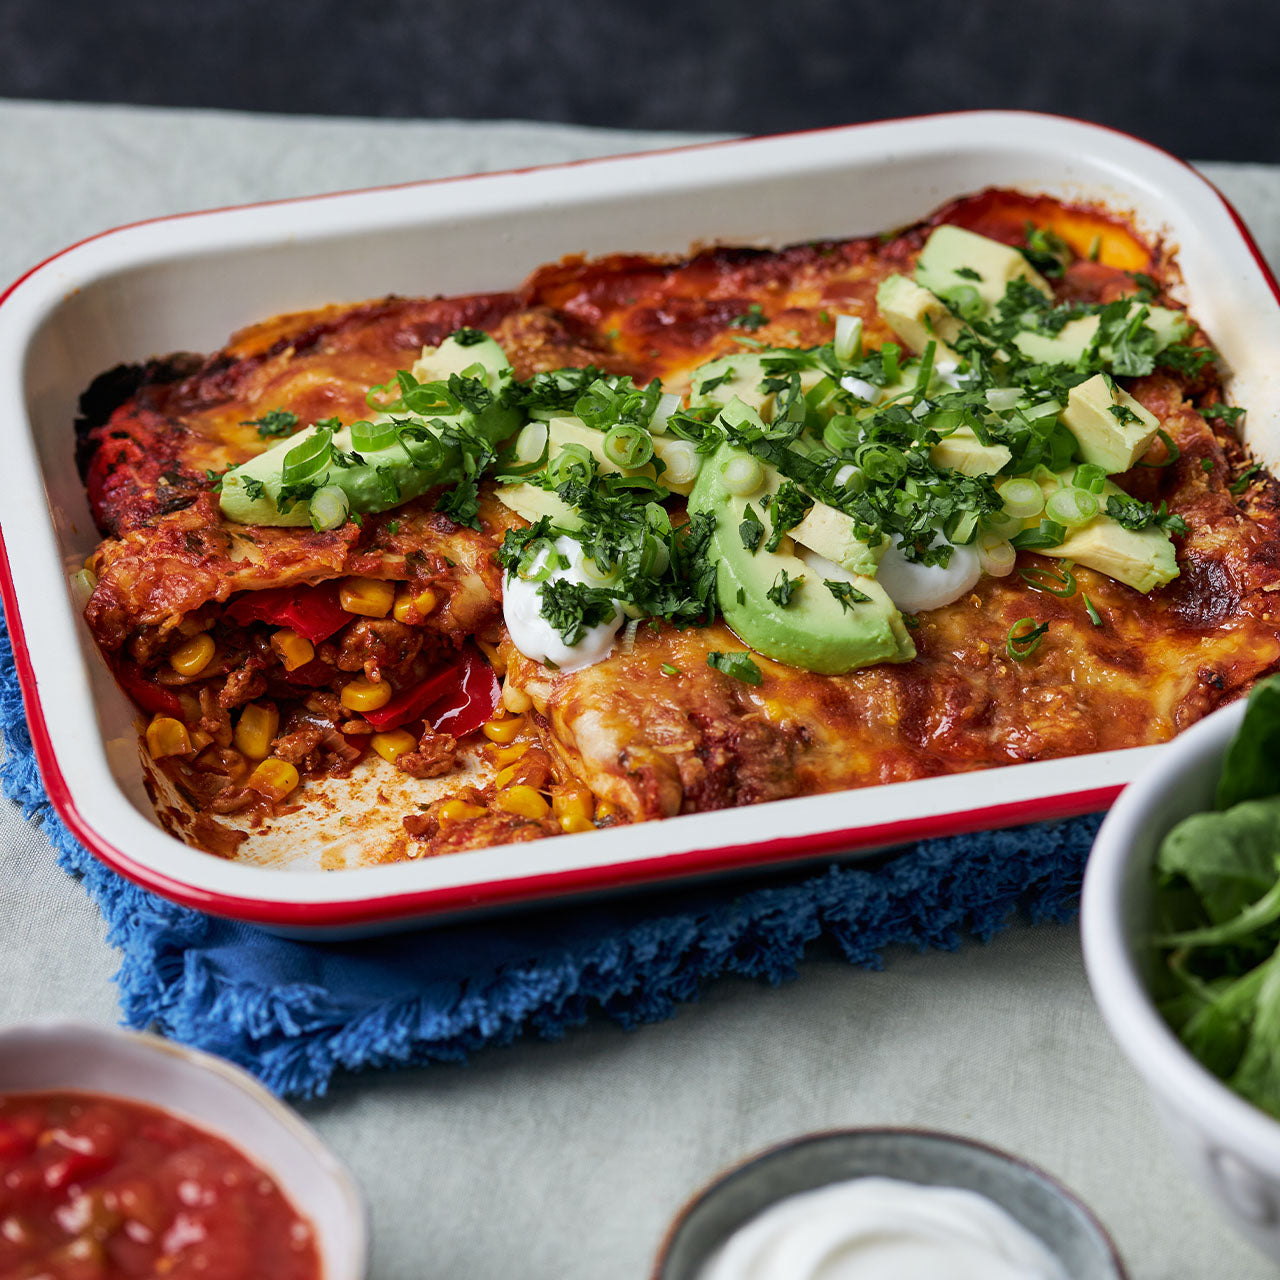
{"points": [[312, 611], [450, 698], [150, 697], [466, 708]]}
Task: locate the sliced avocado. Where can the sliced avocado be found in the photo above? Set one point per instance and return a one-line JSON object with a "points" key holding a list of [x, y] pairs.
{"points": [[953, 256], [917, 316], [1076, 336], [962, 451], [1112, 429], [738, 375], [813, 630], [385, 477], [570, 430], [1140, 558]]}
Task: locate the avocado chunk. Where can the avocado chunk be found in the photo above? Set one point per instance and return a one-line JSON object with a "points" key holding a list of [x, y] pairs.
{"points": [[962, 451], [813, 628], [953, 257], [739, 377], [1070, 343], [1112, 429], [1140, 558], [531, 503], [917, 316], [378, 479]]}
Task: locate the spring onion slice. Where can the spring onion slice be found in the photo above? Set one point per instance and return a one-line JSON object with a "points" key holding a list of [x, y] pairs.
{"points": [[666, 406], [1089, 476], [742, 475], [329, 507], [683, 462], [367, 436], [848, 337], [627, 446], [1071, 507], [996, 555], [573, 462], [1094, 616], [539, 559], [1024, 638], [308, 460], [1022, 498], [1061, 583]]}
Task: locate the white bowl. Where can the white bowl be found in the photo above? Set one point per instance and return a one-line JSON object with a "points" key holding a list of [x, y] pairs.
{"points": [[1231, 1146], [212, 1095]]}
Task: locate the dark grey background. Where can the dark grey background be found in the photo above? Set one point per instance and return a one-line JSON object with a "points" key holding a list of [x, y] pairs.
{"points": [[1200, 77]]}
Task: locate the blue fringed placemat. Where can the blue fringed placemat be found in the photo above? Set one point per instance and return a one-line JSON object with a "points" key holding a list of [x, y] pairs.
{"points": [[296, 1013]]}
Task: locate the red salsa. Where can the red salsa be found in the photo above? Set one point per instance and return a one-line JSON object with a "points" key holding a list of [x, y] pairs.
{"points": [[98, 1188]]}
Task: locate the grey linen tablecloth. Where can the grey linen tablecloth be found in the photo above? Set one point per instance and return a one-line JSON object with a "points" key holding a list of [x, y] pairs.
{"points": [[566, 1161]]}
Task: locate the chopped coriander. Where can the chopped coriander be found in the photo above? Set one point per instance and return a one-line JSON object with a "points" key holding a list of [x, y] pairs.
{"points": [[846, 593], [1046, 250], [790, 505], [784, 587], [737, 665], [573, 608], [750, 530], [968, 273], [253, 488], [712, 383], [1206, 465], [752, 318], [393, 526], [1134, 514], [911, 622], [468, 337], [276, 422], [1227, 413], [1242, 483]]}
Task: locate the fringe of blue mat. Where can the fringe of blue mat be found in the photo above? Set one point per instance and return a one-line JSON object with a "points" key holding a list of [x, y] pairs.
{"points": [[297, 1014]]}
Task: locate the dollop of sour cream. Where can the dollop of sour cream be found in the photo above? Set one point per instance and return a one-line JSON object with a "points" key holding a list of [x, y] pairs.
{"points": [[915, 587], [534, 636], [883, 1229]]}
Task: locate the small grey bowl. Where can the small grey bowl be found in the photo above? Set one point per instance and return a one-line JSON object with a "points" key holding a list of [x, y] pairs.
{"points": [[1045, 1208]]}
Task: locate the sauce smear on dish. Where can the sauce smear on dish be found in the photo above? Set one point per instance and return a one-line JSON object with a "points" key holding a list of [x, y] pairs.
{"points": [[99, 1188]]}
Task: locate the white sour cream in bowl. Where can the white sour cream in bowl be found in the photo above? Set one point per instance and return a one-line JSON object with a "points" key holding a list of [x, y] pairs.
{"points": [[874, 1228]]}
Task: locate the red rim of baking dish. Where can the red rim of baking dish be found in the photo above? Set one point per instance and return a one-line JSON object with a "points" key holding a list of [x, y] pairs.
{"points": [[515, 890]]}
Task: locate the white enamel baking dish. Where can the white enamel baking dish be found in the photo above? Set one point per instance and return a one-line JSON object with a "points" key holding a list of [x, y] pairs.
{"points": [[187, 282]]}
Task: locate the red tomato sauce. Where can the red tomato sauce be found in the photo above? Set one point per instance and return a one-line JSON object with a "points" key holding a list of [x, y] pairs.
{"points": [[98, 1188]]}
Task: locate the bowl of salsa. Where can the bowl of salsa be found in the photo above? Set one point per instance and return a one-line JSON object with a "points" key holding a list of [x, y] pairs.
{"points": [[123, 1156]]}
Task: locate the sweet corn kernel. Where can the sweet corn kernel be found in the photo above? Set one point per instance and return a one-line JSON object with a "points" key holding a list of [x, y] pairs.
{"points": [[571, 823], [572, 801], [504, 756], [255, 729], [508, 775], [293, 650], [457, 811], [190, 659], [413, 608], [606, 809], [273, 778], [364, 695], [167, 737], [370, 597], [200, 739], [391, 746], [522, 800], [503, 731]]}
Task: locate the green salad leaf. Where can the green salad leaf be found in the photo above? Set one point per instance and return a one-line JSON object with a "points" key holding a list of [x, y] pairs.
{"points": [[1216, 915]]}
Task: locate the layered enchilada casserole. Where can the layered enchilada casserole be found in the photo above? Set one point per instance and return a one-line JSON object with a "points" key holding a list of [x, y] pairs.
{"points": [[653, 536]]}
